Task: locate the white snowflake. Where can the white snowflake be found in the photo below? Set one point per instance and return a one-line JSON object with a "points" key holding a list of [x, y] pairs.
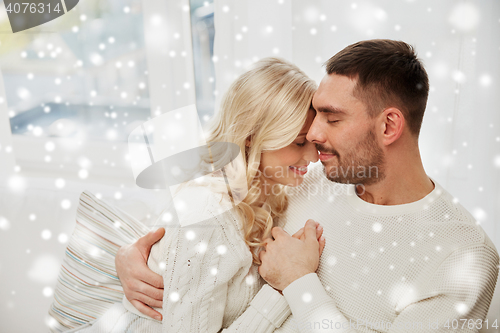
{"points": [[62, 238], [464, 16], [47, 291], [250, 280], [66, 204], [174, 296], [377, 227], [4, 223], [461, 308], [190, 235], [221, 249]]}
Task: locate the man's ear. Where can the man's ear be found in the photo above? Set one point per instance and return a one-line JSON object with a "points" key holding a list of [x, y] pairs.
{"points": [[392, 123]]}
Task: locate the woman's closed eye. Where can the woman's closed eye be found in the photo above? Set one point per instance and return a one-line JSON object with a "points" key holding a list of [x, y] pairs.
{"points": [[301, 144]]}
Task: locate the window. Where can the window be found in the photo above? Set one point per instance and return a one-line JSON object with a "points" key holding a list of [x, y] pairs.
{"points": [[78, 85]]}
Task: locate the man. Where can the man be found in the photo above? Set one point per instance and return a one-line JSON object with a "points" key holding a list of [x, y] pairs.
{"points": [[401, 254]]}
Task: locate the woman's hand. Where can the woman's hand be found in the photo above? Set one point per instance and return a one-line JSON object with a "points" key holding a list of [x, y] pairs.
{"points": [[286, 258], [319, 235], [141, 286], [300, 235]]}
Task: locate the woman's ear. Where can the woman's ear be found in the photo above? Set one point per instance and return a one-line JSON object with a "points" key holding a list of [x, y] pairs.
{"points": [[248, 141]]}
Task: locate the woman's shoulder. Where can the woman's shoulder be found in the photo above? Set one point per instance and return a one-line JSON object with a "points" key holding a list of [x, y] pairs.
{"points": [[202, 210], [198, 203]]}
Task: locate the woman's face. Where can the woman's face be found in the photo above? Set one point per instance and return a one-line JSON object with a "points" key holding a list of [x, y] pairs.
{"points": [[288, 165]]}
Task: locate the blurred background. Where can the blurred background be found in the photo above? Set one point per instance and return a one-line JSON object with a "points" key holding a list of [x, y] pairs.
{"points": [[72, 90]]}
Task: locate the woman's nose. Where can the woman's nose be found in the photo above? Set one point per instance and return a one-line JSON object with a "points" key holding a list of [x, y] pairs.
{"points": [[312, 153]]}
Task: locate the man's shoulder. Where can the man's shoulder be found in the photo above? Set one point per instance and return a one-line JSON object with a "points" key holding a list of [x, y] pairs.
{"points": [[461, 225], [450, 206]]}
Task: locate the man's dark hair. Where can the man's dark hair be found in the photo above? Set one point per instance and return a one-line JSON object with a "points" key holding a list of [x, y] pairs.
{"points": [[388, 74]]}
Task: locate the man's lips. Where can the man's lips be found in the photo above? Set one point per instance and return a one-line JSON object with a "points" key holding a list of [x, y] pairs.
{"points": [[324, 157]]}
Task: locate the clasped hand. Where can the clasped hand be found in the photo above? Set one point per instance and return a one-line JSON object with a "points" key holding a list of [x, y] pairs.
{"points": [[287, 258]]}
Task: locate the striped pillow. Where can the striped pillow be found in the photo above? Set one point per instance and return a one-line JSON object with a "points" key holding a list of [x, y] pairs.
{"points": [[88, 284]]}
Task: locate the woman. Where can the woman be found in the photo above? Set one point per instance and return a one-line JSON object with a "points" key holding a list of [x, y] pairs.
{"points": [[210, 268]]}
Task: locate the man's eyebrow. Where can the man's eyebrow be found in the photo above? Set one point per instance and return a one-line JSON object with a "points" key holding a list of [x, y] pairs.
{"points": [[331, 110]]}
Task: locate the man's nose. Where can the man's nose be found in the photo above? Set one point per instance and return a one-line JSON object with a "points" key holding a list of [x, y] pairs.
{"points": [[316, 132]]}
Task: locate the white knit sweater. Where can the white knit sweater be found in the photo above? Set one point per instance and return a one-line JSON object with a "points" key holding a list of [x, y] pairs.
{"points": [[417, 267], [209, 278]]}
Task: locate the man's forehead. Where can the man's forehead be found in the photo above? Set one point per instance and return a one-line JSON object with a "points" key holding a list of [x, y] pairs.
{"points": [[335, 93], [330, 81], [331, 85]]}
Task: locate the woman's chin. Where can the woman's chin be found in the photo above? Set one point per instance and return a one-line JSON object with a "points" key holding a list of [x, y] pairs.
{"points": [[294, 182]]}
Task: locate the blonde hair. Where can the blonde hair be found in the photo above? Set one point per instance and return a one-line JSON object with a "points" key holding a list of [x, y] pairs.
{"points": [[268, 105]]}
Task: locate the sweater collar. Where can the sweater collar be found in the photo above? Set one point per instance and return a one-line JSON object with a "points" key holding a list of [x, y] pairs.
{"points": [[419, 205]]}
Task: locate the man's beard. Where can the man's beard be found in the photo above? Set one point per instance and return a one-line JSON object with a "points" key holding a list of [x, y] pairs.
{"points": [[362, 165]]}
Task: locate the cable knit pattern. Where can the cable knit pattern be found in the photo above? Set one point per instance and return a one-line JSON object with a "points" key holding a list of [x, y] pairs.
{"points": [[209, 278]]}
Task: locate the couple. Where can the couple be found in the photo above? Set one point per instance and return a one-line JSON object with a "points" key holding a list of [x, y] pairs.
{"points": [[401, 255]]}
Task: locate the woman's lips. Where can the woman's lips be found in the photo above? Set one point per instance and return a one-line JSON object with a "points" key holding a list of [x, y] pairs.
{"points": [[299, 170], [324, 157]]}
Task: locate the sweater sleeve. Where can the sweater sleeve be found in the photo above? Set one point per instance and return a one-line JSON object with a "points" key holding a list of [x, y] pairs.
{"points": [[457, 296], [266, 312], [458, 292], [199, 261]]}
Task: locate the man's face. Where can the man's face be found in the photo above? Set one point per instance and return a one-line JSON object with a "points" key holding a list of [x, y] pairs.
{"points": [[345, 134]]}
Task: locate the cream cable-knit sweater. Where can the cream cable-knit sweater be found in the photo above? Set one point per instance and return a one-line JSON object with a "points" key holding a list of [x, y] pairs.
{"points": [[425, 266], [209, 278]]}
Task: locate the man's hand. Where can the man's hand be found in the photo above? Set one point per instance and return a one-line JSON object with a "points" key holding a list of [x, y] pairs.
{"points": [[288, 258], [141, 286], [319, 233]]}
